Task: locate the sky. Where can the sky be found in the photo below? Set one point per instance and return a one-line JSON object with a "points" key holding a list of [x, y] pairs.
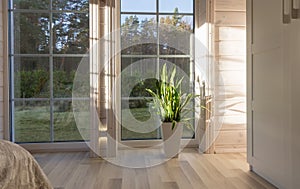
{"points": [[185, 6], [165, 6]]}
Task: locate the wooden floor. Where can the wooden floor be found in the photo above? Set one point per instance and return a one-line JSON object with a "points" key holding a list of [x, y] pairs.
{"points": [[190, 170]]}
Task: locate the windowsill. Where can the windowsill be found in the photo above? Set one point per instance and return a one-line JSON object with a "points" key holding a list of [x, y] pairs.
{"points": [[56, 147]]}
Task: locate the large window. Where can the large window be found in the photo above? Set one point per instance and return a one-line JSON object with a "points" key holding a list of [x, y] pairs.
{"points": [[153, 32], [48, 39]]}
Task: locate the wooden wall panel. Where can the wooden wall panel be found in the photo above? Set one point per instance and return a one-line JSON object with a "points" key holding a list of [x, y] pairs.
{"points": [[228, 18], [230, 75], [230, 48], [230, 78], [230, 107], [222, 92], [227, 63], [230, 33], [234, 120], [230, 5]]}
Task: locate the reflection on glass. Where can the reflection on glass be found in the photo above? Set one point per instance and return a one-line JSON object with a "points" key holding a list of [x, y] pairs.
{"points": [[71, 5], [32, 121], [31, 77], [71, 33], [186, 6], [138, 6], [31, 4], [138, 34], [65, 128], [31, 33]]}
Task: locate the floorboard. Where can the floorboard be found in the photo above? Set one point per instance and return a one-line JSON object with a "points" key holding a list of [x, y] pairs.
{"points": [[75, 170]]}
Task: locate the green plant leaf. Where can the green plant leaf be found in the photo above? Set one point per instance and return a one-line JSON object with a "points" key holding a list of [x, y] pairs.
{"points": [[169, 99]]}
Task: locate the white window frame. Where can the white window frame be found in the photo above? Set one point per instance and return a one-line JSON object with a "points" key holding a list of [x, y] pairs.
{"points": [[205, 40], [49, 145]]}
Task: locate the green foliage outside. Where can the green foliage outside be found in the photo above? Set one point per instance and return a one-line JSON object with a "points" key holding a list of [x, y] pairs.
{"points": [[71, 36], [70, 29], [143, 33], [31, 36], [32, 118], [139, 37], [36, 84]]}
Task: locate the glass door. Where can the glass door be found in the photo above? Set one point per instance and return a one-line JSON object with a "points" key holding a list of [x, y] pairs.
{"points": [[153, 33]]}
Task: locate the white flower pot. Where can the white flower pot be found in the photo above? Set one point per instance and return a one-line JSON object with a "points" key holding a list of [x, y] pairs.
{"points": [[171, 138]]}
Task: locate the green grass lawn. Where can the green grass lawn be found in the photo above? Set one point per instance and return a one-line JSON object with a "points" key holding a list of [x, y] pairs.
{"points": [[136, 121], [32, 124]]}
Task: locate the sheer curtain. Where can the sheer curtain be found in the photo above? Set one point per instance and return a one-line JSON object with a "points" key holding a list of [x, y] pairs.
{"points": [[104, 59]]}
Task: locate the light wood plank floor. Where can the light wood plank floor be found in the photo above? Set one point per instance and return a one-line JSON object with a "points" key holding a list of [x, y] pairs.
{"points": [[72, 170]]}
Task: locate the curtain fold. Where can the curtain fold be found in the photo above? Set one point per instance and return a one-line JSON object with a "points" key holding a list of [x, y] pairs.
{"points": [[103, 63]]}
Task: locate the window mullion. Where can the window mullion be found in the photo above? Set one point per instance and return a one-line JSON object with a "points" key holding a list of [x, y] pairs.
{"points": [[51, 73], [157, 27], [11, 70]]}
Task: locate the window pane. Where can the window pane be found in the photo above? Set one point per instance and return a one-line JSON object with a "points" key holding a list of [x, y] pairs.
{"points": [[134, 71], [138, 34], [65, 128], [33, 90], [64, 70], [31, 77], [183, 64], [31, 33], [185, 6], [31, 4], [175, 35], [128, 134], [138, 6], [138, 74], [32, 121], [141, 38], [180, 22], [71, 33], [139, 118], [184, 69], [75, 5]]}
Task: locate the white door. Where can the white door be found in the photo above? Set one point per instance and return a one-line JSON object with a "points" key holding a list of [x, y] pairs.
{"points": [[268, 152]]}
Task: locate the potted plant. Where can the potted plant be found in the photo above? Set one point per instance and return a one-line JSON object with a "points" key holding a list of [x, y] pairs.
{"points": [[171, 104]]}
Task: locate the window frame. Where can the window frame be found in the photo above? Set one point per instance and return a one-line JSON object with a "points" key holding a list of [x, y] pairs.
{"points": [[51, 56], [45, 146], [193, 142]]}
